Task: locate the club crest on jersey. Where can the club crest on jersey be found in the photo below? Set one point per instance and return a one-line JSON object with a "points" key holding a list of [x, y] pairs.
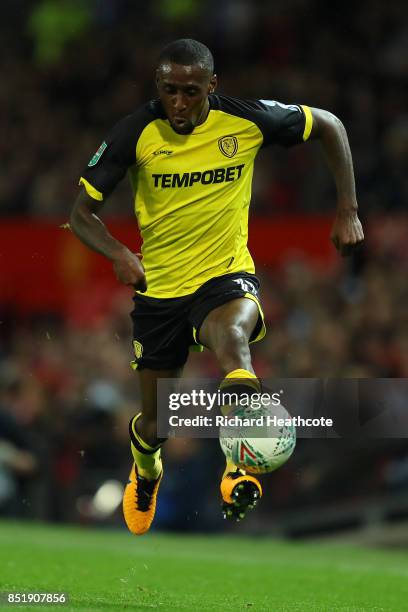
{"points": [[228, 145], [138, 348], [97, 155]]}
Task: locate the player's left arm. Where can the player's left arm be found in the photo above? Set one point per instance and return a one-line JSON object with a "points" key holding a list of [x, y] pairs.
{"points": [[347, 231]]}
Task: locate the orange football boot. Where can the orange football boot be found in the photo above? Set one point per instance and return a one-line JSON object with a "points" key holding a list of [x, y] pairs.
{"points": [[139, 501], [240, 492]]}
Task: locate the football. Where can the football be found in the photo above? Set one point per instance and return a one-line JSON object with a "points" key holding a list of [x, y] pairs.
{"points": [[259, 440]]}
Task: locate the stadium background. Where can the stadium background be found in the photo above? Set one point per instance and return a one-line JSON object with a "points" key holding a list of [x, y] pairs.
{"points": [[67, 392]]}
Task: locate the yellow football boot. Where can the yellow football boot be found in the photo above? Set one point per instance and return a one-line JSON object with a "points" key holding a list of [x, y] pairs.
{"points": [[139, 501]]}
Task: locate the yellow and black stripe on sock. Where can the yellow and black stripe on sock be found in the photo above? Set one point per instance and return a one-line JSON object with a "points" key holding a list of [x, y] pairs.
{"points": [[236, 383], [147, 458]]}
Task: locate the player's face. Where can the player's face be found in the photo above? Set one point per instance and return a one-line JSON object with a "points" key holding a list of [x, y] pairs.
{"points": [[183, 91]]}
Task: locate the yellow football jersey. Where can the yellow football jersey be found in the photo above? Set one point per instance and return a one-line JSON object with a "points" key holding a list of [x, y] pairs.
{"points": [[192, 192]]}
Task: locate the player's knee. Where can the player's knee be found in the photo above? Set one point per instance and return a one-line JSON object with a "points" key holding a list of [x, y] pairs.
{"points": [[235, 337], [232, 342]]}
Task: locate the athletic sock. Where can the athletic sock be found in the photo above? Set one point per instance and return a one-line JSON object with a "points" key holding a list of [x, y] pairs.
{"points": [[147, 458], [238, 381]]}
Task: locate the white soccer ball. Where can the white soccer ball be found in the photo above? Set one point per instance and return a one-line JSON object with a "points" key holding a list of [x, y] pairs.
{"points": [[259, 440]]}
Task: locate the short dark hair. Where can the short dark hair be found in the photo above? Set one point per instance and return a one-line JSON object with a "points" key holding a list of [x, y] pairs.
{"points": [[188, 52]]}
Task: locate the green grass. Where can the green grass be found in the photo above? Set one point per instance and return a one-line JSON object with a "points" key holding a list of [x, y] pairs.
{"points": [[109, 570]]}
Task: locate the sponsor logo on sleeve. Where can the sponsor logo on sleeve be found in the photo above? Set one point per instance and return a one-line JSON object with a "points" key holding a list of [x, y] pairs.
{"points": [[97, 155], [292, 107]]}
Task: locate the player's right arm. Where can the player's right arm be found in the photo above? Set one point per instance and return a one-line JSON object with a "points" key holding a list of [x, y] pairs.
{"points": [[89, 228], [105, 170]]}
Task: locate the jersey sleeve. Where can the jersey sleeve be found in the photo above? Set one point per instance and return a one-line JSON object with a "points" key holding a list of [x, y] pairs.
{"points": [[284, 124], [115, 155]]}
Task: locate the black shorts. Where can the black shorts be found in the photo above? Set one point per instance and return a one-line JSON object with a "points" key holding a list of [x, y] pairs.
{"points": [[165, 329]]}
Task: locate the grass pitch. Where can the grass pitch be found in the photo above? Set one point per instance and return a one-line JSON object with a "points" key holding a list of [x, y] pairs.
{"points": [[112, 570]]}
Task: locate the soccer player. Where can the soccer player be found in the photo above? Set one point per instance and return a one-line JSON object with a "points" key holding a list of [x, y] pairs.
{"points": [[189, 156]]}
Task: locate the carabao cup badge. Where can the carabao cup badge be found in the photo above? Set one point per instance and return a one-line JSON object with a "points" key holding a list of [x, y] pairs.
{"points": [[97, 155], [228, 145]]}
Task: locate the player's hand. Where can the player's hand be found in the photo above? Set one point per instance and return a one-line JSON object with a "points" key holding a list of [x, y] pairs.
{"points": [[347, 232], [129, 269]]}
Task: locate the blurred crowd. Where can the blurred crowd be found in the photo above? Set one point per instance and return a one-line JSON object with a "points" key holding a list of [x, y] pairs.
{"points": [[67, 393], [77, 66], [66, 389]]}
